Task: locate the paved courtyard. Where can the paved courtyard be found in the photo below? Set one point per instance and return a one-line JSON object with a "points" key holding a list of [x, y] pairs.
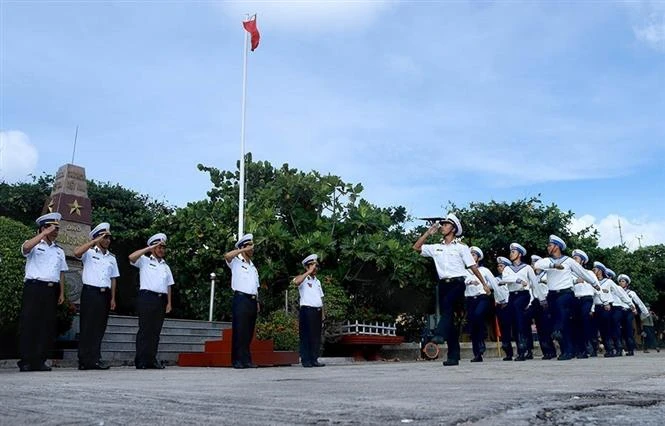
{"points": [[616, 391]]}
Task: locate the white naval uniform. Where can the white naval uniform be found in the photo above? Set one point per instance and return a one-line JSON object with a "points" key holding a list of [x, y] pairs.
{"points": [[451, 260], [154, 275], [244, 276], [99, 268], [561, 279], [311, 293], [473, 287], [644, 312], [585, 288], [618, 295], [44, 262]]}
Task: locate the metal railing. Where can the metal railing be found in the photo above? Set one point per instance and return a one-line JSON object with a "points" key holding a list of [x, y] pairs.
{"points": [[371, 329]]}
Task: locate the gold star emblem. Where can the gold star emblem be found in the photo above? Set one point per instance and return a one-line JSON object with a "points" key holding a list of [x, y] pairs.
{"points": [[50, 206], [75, 207]]}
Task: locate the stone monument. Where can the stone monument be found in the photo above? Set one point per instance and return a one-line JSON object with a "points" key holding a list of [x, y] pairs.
{"points": [[70, 198]]}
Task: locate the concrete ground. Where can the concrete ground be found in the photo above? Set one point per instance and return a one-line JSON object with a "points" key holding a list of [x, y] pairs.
{"points": [[618, 391]]}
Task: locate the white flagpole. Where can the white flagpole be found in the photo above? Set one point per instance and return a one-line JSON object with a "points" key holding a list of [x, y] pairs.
{"points": [[241, 195]]}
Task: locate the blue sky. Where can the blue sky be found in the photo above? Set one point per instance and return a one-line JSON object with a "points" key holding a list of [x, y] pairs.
{"points": [[422, 102]]}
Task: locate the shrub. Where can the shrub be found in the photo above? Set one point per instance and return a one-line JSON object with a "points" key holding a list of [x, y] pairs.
{"points": [[12, 272], [282, 328]]}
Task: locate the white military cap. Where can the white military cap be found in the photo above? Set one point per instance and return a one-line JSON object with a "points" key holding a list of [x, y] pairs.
{"points": [[245, 238], [535, 258], [602, 268], [451, 218], [310, 258], [156, 239], [558, 241], [504, 260], [581, 254], [623, 277], [610, 273], [519, 248], [478, 252], [49, 219], [102, 227]]}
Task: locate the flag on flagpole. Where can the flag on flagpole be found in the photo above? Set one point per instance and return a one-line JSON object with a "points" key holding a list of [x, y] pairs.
{"points": [[250, 27]]}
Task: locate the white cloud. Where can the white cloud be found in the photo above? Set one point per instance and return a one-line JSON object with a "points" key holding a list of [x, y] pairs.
{"points": [[309, 16], [18, 156], [635, 232], [649, 22]]}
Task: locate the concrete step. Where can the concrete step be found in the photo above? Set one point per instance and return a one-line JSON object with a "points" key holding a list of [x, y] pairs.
{"points": [[197, 332], [115, 337], [117, 320], [174, 346]]}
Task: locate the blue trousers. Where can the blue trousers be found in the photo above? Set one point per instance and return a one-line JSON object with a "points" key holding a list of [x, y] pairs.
{"points": [[543, 320], [627, 330], [521, 322], [243, 320], [615, 328], [476, 313], [451, 300], [583, 330], [561, 304], [309, 327], [503, 316], [604, 323]]}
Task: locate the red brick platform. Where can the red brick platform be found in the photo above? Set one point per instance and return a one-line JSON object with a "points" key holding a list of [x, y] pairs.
{"points": [[366, 347], [217, 353]]}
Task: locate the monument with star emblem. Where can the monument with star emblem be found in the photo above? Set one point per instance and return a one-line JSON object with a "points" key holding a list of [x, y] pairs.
{"points": [[69, 197]]}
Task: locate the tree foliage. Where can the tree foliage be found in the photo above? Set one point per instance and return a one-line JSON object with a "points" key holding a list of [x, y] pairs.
{"points": [[366, 254]]}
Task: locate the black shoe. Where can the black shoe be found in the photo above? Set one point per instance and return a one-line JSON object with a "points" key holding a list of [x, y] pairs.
{"points": [[630, 353], [238, 365], [477, 358], [529, 355], [565, 357], [547, 357], [520, 358], [156, 366], [437, 339], [582, 356], [450, 362], [306, 365], [250, 365], [41, 367], [618, 353], [609, 354], [23, 367], [508, 358], [318, 364], [593, 354]]}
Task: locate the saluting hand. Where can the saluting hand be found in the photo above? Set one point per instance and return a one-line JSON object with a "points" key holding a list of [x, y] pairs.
{"points": [[50, 229], [432, 229]]}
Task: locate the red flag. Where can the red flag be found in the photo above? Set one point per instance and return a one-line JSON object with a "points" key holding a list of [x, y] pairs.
{"points": [[250, 27]]}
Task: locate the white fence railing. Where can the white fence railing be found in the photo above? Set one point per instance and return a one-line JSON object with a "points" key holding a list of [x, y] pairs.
{"points": [[371, 329]]}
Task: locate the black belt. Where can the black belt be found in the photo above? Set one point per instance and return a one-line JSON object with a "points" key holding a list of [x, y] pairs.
{"points": [[249, 296], [562, 291], [477, 296], [95, 288], [585, 297], [519, 291], [451, 280], [40, 282], [310, 307], [152, 293]]}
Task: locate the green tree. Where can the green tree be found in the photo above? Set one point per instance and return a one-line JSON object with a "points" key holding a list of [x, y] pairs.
{"points": [[12, 272], [365, 252]]}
